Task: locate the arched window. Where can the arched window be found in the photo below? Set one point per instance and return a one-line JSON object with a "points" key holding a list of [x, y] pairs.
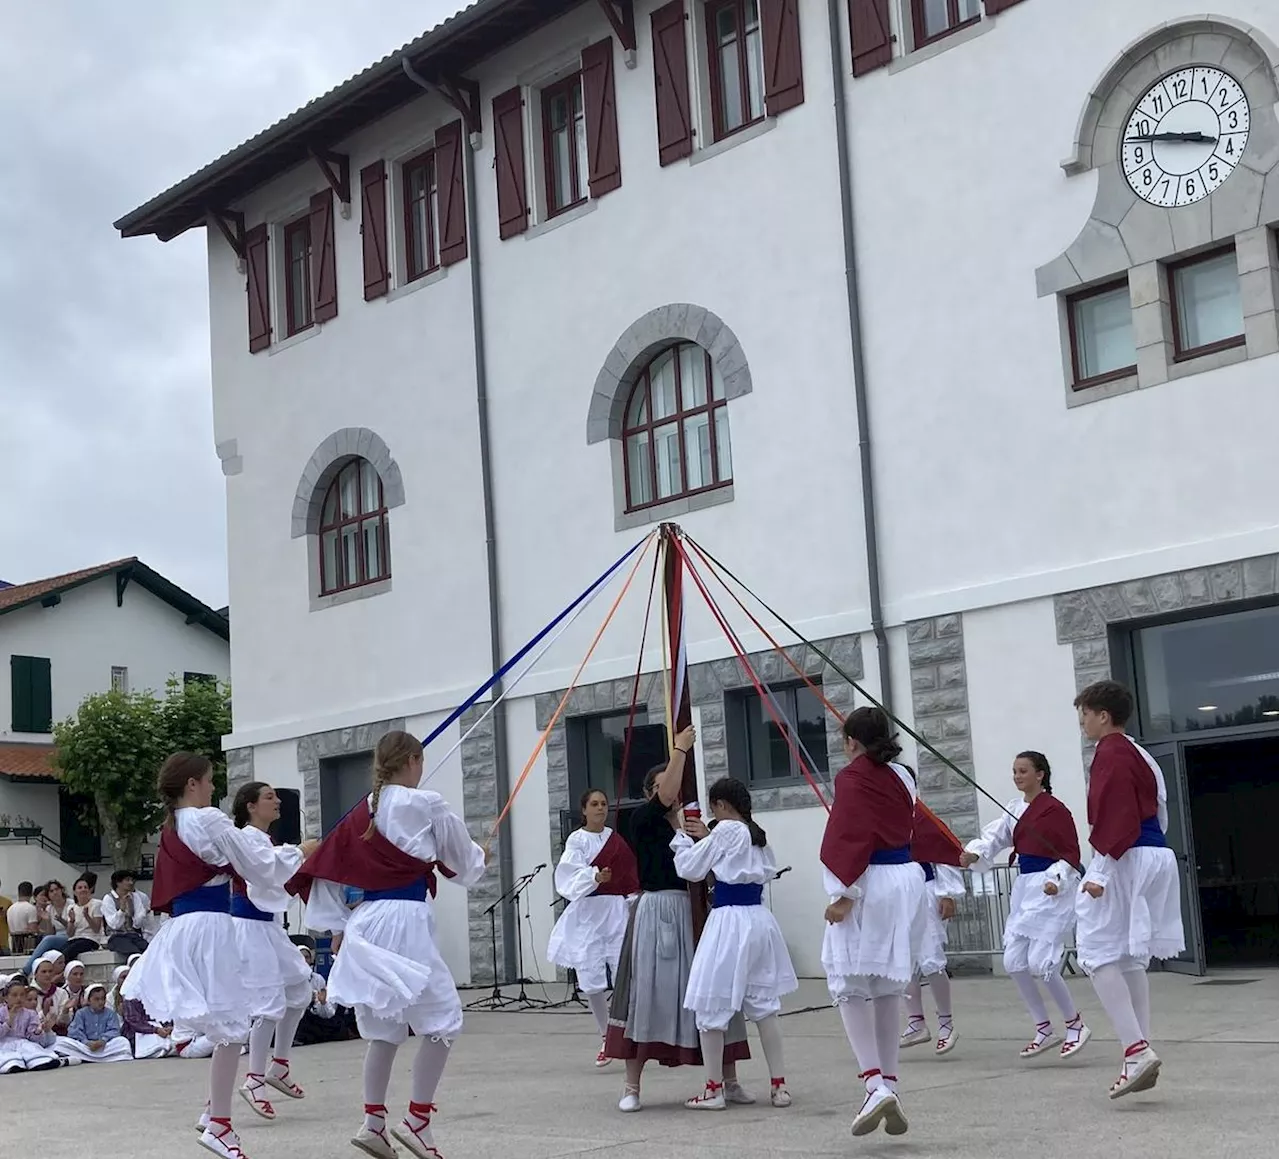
{"points": [[675, 438], [353, 530]]}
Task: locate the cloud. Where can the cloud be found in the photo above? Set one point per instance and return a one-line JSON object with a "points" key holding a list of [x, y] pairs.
{"points": [[106, 434]]}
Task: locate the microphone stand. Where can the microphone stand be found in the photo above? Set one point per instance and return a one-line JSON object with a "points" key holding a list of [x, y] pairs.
{"points": [[517, 890], [575, 998], [497, 1000]]}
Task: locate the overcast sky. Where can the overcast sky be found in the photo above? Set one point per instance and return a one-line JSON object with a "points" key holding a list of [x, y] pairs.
{"points": [[106, 434]]}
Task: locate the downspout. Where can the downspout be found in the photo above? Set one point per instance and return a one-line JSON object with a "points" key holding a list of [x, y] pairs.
{"points": [[501, 773], [859, 362]]}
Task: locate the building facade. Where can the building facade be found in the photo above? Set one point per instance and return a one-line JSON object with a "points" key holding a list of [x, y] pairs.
{"points": [[955, 338]]}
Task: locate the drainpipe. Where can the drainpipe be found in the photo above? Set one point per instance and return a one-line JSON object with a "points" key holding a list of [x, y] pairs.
{"points": [[859, 362], [501, 772]]}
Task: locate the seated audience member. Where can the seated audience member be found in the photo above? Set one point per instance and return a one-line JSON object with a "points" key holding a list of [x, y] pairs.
{"points": [[22, 1039], [5, 903], [324, 1021], [124, 910], [44, 982], [188, 1044], [147, 1039], [82, 928], [23, 920], [95, 1034], [70, 997]]}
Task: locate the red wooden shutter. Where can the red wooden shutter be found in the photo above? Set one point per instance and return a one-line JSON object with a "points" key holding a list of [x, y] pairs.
{"points": [[451, 194], [373, 229], [324, 277], [508, 163], [869, 35], [604, 160], [994, 6], [671, 83], [257, 286], [783, 73]]}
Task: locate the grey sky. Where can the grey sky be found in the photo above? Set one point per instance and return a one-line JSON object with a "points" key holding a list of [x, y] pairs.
{"points": [[106, 439]]}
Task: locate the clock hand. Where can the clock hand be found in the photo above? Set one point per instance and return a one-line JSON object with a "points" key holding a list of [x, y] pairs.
{"points": [[1196, 138]]}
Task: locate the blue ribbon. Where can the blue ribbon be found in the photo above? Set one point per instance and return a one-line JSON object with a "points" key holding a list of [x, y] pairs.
{"points": [[414, 891], [737, 893], [208, 899], [1031, 863], [242, 907], [899, 856], [1150, 835]]}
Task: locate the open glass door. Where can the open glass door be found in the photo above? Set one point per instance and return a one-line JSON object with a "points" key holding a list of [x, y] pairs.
{"points": [[1181, 841]]}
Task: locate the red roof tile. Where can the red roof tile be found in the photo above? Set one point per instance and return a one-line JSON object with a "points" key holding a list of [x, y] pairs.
{"points": [[27, 760], [25, 593]]}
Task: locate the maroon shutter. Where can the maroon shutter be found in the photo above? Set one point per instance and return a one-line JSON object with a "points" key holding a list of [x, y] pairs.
{"points": [[604, 160], [324, 277], [671, 83], [451, 194], [373, 229], [994, 6], [783, 74], [869, 35], [257, 287], [508, 162]]}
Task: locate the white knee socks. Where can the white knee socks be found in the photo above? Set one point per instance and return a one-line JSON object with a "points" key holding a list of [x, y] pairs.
{"points": [[1135, 977], [222, 1079], [1031, 996], [1062, 996], [888, 1019], [1114, 994], [914, 1001], [260, 1045], [379, 1057], [940, 988], [428, 1066], [713, 1054], [860, 1026], [771, 1042], [600, 1008]]}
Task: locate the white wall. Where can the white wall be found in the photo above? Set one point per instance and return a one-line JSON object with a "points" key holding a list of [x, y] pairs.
{"points": [[86, 634], [1021, 685], [39, 802]]}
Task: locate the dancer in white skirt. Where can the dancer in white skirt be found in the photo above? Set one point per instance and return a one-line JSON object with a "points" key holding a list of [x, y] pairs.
{"points": [[196, 972], [389, 968], [263, 938], [944, 884], [878, 916], [1129, 908], [596, 874], [741, 964], [1042, 834]]}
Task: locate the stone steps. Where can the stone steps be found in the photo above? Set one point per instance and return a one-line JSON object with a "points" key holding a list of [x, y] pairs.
{"points": [[98, 964]]}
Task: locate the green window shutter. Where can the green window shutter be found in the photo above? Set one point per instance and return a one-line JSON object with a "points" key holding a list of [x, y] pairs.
{"points": [[31, 687]]}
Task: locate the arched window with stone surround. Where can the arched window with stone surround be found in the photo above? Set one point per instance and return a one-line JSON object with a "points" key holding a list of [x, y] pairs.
{"points": [[676, 428]]}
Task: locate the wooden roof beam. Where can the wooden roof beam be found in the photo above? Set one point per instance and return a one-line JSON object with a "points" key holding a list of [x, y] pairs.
{"points": [[336, 169], [622, 18]]}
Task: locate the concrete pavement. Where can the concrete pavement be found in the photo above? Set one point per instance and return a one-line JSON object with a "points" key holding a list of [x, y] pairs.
{"points": [[522, 1086]]}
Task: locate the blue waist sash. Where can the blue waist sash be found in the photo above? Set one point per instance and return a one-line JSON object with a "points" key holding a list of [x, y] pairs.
{"points": [[1030, 863], [414, 891], [899, 856], [739, 893], [929, 872], [1150, 835], [242, 907], [208, 899]]}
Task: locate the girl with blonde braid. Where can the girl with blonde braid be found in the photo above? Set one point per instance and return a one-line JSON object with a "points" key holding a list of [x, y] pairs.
{"points": [[389, 968]]}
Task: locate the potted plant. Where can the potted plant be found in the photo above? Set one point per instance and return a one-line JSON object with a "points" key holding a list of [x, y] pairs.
{"points": [[26, 827], [4, 824]]}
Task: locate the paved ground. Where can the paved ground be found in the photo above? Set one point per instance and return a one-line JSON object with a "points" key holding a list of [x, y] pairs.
{"points": [[521, 1086]]}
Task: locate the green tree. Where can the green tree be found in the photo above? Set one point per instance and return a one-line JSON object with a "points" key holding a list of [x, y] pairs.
{"points": [[112, 750]]}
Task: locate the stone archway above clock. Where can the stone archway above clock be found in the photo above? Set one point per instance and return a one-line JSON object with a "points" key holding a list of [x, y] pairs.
{"points": [[1123, 231]]}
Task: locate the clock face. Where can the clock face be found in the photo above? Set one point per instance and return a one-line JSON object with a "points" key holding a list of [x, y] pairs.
{"points": [[1185, 136]]}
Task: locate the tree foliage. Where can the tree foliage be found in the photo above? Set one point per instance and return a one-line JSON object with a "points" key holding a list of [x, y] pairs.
{"points": [[112, 750]]}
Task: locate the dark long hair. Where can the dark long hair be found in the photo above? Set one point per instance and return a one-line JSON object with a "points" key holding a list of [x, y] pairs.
{"points": [[174, 775], [246, 795], [737, 796], [871, 729], [1040, 763]]}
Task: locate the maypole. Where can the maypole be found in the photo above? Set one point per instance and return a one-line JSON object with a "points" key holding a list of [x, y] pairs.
{"points": [[678, 703]]}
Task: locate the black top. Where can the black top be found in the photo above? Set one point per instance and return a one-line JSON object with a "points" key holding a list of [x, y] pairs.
{"points": [[651, 835]]}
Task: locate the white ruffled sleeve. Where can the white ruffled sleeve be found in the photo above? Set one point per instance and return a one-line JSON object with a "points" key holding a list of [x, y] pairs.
{"points": [[696, 859], [575, 875], [453, 843], [947, 881], [251, 854], [327, 907]]}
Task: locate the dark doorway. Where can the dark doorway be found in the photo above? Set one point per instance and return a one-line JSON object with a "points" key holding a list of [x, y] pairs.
{"points": [[1233, 796], [80, 837], [343, 782]]}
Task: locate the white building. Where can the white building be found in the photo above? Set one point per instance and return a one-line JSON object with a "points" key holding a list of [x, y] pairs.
{"points": [[1031, 443], [120, 625]]}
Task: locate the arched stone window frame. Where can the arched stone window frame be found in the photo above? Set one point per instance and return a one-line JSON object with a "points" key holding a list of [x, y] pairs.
{"points": [[328, 459], [635, 348]]}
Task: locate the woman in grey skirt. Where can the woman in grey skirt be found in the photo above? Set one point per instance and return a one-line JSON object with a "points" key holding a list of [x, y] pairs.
{"points": [[646, 1017]]}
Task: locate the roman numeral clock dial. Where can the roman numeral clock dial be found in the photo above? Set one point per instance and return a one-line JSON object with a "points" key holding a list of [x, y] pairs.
{"points": [[1185, 136]]}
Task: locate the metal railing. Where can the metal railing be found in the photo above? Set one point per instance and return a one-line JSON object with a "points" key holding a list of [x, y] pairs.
{"points": [[976, 933], [145, 869]]}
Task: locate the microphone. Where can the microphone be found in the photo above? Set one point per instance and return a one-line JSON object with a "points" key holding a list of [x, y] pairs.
{"points": [[784, 869], [538, 867]]}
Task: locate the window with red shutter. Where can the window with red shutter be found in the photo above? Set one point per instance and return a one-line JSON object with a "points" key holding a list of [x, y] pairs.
{"points": [[373, 229], [324, 276], [564, 144], [419, 195], [735, 53], [933, 19], [783, 70], [869, 35], [297, 277], [257, 288], [604, 158], [671, 82], [508, 163], [451, 196]]}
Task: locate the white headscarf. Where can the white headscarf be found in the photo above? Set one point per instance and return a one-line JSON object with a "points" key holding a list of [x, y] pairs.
{"points": [[89, 989], [133, 958], [117, 972], [51, 956]]}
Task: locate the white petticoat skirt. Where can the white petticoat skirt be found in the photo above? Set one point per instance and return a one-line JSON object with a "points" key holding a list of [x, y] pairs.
{"points": [[878, 948], [18, 1054], [1039, 924], [741, 964], [268, 947], [1139, 914], [115, 1050], [389, 970], [197, 972], [588, 937]]}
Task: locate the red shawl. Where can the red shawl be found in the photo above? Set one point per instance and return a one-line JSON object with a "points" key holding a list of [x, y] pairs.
{"points": [[872, 810], [1122, 794], [347, 858], [178, 871], [932, 843], [617, 856], [1047, 829]]}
